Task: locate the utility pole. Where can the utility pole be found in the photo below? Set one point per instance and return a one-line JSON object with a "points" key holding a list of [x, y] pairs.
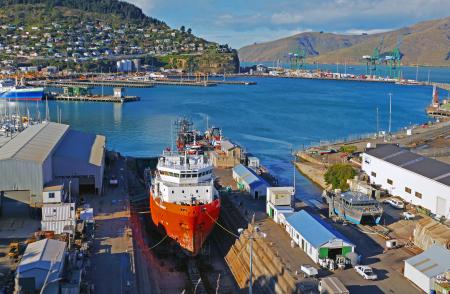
{"points": [[255, 233], [378, 124], [390, 112], [417, 72]]}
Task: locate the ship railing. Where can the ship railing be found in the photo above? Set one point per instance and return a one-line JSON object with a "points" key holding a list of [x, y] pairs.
{"points": [[182, 184], [179, 166]]}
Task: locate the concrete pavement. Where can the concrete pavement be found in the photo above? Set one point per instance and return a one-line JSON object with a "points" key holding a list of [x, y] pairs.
{"points": [[112, 269]]}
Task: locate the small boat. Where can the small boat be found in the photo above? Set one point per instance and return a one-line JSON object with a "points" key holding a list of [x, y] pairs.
{"points": [[355, 207]]}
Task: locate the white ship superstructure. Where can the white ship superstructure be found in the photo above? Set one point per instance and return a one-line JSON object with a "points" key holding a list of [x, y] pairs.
{"points": [[184, 179]]}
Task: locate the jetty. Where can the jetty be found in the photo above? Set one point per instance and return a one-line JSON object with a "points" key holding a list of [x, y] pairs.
{"points": [[95, 98], [83, 94], [96, 83]]}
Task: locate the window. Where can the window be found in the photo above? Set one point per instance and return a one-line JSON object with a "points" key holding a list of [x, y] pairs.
{"points": [[51, 195], [407, 190], [374, 174], [182, 191], [418, 195], [390, 182]]}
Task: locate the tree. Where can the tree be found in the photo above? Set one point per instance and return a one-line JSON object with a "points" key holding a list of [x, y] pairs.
{"points": [[189, 31], [338, 174], [182, 29]]}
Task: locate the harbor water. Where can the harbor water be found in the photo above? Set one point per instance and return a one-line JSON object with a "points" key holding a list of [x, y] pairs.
{"points": [[269, 119]]}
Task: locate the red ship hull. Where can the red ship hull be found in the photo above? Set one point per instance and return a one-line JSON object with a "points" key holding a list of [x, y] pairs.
{"points": [[189, 226]]}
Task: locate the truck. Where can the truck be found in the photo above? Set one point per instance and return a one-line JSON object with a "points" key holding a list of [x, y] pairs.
{"points": [[332, 285]]}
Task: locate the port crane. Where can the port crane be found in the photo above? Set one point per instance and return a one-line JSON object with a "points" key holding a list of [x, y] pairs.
{"points": [[372, 62], [297, 59], [393, 61]]}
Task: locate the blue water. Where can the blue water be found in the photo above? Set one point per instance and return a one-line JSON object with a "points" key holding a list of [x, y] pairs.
{"points": [[268, 119]]}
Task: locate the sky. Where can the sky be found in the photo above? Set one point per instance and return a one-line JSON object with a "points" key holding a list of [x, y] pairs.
{"points": [[244, 22]]}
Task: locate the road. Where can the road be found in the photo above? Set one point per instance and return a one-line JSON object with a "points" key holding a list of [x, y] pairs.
{"points": [[112, 266]]}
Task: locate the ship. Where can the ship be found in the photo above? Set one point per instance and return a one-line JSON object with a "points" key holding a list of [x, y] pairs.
{"points": [[11, 91], [355, 207], [184, 203]]}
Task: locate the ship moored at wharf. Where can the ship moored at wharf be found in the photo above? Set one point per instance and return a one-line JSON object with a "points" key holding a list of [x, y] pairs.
{"points": [[184, 203]]}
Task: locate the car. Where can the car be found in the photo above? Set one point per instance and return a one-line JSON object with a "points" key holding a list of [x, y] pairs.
{"points": [[408, 215], [366, 272], [395, 203]]}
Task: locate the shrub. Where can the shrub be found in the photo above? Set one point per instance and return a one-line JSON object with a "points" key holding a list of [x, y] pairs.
{"points": [[338, 174]]}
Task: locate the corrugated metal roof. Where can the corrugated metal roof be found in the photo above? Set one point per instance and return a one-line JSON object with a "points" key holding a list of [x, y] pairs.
{"points": [[58, 212], [59, 227], [35, 143], [82, 146], [98, 150], [432, 262], [42, 254], [53, 188], [314, 230], [226, 145], [248, 176], [425, 166]]}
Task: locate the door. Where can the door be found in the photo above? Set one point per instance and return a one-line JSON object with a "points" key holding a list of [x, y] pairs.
{"points": [[441, 205], [271, 212]]}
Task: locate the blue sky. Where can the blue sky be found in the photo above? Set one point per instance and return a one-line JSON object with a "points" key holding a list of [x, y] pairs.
{"points": [[243, 22]]}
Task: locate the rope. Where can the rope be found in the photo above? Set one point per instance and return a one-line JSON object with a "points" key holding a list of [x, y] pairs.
{"points": [[154, 246], [225, 229]]}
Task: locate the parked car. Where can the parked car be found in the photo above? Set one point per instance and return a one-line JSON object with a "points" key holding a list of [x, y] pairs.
{"points": [[113, 181], [308, 270], [395, 203], [366, 272], [408, 215]]}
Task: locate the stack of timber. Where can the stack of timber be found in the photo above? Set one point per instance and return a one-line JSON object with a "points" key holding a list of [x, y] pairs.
{"points": [[429, 232], [269, 275]]}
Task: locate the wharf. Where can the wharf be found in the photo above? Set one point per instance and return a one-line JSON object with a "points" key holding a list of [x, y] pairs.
{"points": [[438, 112], [97, 83], [179, 82], [213, 81], [95, 98]]}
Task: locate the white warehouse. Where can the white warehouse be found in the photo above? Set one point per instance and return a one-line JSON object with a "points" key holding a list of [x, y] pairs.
{"points": [[416, 179]]}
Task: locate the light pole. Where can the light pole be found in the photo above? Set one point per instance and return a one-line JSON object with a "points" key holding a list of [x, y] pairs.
{"points": [[252, 234]]}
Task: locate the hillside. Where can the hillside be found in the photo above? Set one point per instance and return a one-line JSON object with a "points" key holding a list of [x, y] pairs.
{"points": [[426, 43], [89, 35]]}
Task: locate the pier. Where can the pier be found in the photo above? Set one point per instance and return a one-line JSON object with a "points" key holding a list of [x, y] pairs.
{"points": [[438, 112], [95, 98], [97, 83]]}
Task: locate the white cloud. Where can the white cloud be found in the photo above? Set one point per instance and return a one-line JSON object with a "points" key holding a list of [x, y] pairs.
{"points": [[360, 31], [286, 18]]}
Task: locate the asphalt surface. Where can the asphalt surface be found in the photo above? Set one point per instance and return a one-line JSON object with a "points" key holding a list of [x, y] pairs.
{"points": [[112, 269]]}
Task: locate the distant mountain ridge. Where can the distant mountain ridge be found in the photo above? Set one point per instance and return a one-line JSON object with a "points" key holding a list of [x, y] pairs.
{"points": [[425, 43]]}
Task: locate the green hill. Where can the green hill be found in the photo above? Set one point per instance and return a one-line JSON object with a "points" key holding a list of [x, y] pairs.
{"points": [[90, 35], [425, 43]]}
